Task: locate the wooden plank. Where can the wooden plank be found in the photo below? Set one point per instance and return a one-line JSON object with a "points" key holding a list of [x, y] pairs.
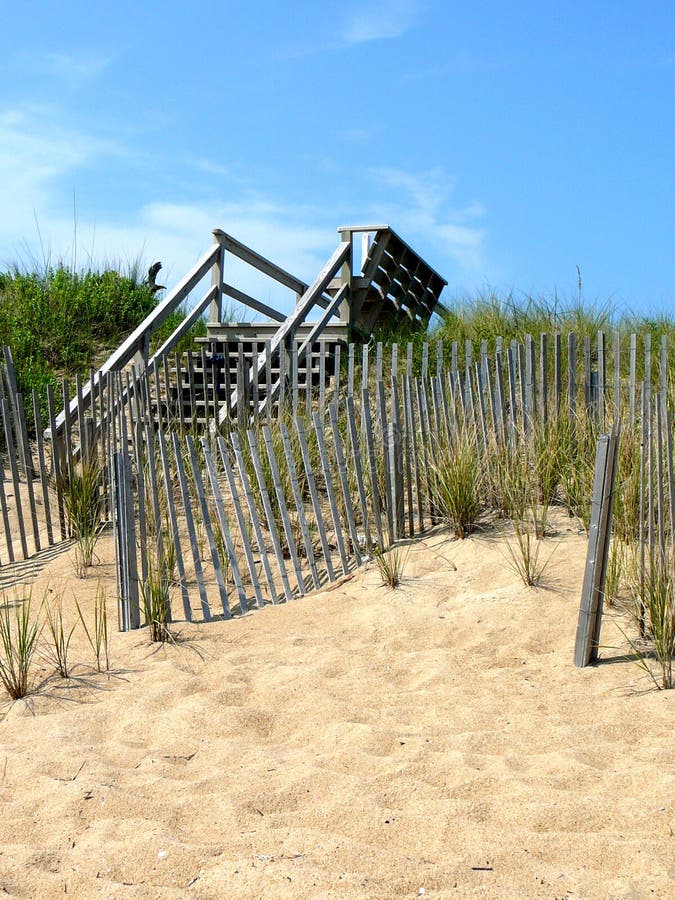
{"points": [[283, 508], [241, 297], [259, 262], [350, 371], [16, 486], [344, 482], [173, 521], [208, 527], [80, 415], [617, 375], [191, 529], [644, 436], [572, 375], [283, 379], [138, 339], [415, 452], [22, 433], [663, 371], [425, 435], [364, 367], [668, 419], [557, 371], [182, 329], [529, 404], [337, 369], [648, 363], [308, 300], [590, 612], [295, 385], [299, 505], [242, 407], [543, 379], [191, 387], [253, 516], [268, 381], [602, 365], [500, 408], [255, 387], [330, 492], [314, 495], [133, 607], [121, 544], [394, 464], [588, 384], [632, 378], [44, 477], [241, 522], [67, 430], [141, 495], [660, 497], [308, 380], [381, 408], [5, 512], [269, 513], [358, 469], [513, 405], [481, 407], [322, 376], [224, 525], [154, 491], [407, 455]]}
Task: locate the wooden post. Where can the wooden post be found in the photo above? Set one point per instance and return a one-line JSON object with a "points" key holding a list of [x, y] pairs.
{"points": [[217, 276], [590, 612]]}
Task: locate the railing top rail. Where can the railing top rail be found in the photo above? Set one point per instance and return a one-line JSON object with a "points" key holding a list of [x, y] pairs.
{"points": [[139, 337]]}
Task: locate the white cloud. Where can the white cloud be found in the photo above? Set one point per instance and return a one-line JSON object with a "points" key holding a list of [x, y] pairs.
{"points": [[36, 150], [425, 211], [381, 20], [70, 67], [40, 159]]}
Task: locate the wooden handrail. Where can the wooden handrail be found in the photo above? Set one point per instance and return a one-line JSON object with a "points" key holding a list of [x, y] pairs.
{"points": [[308, 300], [139, 338]]}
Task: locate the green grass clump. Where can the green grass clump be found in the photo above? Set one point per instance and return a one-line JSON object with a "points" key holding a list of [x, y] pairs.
{"points": [[59, 636], [19, 636], [391, 565], [156, 600], [59, 322], [654, 610], [456, 478], [97, 631], [82, 492]]}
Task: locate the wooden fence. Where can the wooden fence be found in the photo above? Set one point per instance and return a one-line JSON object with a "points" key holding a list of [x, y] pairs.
{"points": [[265, 507]]}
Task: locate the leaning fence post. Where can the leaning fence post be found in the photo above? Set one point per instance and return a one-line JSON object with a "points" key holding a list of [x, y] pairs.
{"points": [[590, 611]]}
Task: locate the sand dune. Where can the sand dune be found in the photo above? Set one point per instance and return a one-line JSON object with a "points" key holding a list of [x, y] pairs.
{"points": [[430, 741]]}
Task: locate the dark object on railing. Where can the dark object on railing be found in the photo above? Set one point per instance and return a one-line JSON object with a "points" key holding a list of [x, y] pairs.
{"points": [[151, 280]]}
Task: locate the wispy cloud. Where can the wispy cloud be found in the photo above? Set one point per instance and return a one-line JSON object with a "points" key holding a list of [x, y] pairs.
{"points": [[74, 67], [377, 21], [42, 159], [36, 150], [425, 210]]}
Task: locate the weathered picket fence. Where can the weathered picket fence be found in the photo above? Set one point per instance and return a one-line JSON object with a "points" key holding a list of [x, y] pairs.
{"points": [[272, 503]]}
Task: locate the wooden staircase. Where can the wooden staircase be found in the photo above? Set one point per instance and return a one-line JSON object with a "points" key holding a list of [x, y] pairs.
{"points": [[241, 368]]}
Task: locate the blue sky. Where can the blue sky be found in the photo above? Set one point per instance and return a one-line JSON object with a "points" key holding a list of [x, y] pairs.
{"points": [[509, 143]]}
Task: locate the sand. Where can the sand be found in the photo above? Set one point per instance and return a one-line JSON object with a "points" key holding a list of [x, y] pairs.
{"points": [[433, 741]]}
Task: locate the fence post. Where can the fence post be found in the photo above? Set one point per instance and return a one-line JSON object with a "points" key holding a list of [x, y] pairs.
{"points": [[590, 611], [216, 305]]}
